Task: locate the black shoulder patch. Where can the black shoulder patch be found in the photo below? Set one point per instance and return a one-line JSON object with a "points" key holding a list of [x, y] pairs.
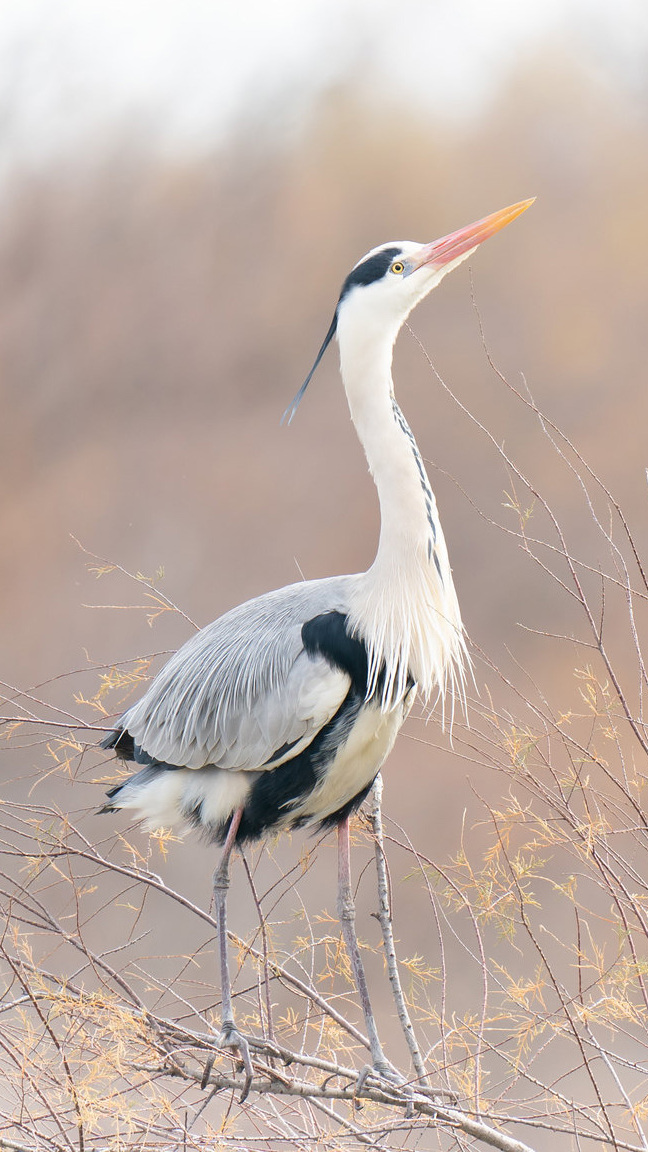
{"points": [[328, 636], [369, 270]]}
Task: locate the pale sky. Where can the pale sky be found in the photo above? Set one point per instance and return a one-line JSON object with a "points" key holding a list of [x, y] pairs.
{"points": [[183, 70]]}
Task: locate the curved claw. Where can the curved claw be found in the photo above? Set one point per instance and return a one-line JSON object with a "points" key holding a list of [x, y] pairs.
{"points": [[230, 1037], [384, 1071], [381, 1072], [207, 1072], [386, 1075]]}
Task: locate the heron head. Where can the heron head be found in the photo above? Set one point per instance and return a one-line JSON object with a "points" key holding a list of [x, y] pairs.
{"points": [[386, 284]]}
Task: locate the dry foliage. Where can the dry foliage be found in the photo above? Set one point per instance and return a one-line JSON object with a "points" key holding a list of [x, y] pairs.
{"points": [[523, 1026], [519, 1015]]}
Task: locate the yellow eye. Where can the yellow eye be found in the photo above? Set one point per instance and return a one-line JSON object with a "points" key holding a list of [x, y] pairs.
{"points": [[397, 267]]}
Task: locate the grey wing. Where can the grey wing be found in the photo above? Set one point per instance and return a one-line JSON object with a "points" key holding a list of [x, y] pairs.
{"points": [[243, 694]]}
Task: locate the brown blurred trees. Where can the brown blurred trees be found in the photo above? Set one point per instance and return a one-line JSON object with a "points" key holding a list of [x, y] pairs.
{"points": [[154, 321]]}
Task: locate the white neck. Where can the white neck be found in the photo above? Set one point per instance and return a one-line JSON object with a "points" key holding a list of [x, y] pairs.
{"points": [[405, 608]]}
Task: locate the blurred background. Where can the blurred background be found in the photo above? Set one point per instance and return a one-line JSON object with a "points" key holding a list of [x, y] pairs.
{"points": [[183, 187]]}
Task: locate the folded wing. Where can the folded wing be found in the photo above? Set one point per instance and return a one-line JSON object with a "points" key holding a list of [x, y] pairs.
{"points": [[243, 694]]}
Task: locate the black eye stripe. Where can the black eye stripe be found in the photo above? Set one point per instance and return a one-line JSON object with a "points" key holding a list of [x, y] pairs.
{"points": [[370, 270]]}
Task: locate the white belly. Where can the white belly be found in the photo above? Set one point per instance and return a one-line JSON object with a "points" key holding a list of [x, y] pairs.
{"points": [[356, 762]]}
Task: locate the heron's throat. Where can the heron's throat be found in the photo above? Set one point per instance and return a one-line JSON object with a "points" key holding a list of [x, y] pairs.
{"points": [[405, 607]]}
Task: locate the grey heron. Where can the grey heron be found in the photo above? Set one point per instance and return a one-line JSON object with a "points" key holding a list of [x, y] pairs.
{"points": [[280, 714]]}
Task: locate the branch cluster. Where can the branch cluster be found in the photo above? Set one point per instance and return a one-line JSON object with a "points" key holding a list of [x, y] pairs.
{"points": [[523, 1025]]}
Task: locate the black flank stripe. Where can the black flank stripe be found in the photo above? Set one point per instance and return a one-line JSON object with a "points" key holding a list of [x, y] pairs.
{"points": [[423, 476]]}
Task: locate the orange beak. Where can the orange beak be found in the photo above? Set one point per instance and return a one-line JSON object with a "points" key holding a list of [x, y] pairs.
{"points": [[456, 244]]}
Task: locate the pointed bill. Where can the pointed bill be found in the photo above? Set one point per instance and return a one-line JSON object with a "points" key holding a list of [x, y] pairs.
{"points": [[456, 244]]}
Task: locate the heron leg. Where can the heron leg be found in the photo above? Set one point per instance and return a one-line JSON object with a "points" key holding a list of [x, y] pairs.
{"points": [[347, 915], [229, 1037]]}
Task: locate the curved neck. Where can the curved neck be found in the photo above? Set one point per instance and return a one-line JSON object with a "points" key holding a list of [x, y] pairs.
{"points": [[407, 507], [405, 607]]}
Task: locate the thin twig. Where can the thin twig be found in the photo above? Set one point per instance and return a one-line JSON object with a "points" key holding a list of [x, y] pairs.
{"points": [[385, 918]]}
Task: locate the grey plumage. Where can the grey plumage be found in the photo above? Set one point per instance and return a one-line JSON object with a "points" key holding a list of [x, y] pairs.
{"points": [[267, 709], [243, 687]]}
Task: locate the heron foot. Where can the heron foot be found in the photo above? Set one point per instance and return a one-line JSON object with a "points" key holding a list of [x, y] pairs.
{"points": [[382, 1075], [382, 1072], [230, 1037]]}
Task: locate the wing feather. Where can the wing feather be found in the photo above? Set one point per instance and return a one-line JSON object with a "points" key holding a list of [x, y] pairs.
{"points": [[243, 694]]}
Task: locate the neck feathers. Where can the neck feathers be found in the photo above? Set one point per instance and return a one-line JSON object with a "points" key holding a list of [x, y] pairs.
{"points": [[405, 607]]}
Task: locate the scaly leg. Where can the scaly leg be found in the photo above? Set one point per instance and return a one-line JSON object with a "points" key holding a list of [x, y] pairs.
{"points": [[346, 914], [230, 1037]]}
